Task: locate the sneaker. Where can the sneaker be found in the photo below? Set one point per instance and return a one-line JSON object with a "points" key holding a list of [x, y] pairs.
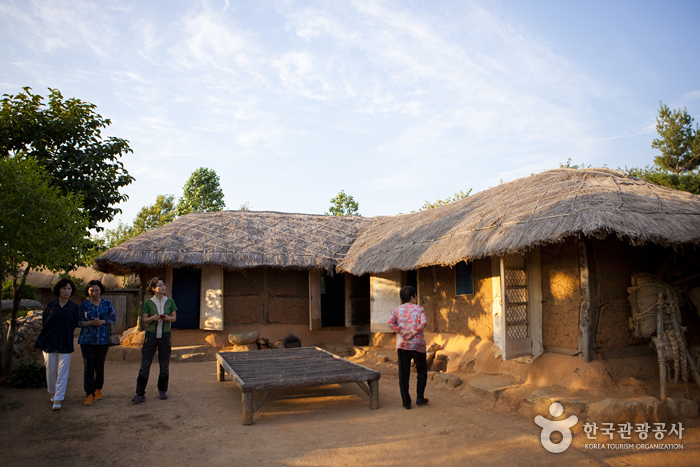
{"points": [[138, 399], [89, 400], [98, 394], [162, 395], [56, 406], [407, 407], [422, 401]]}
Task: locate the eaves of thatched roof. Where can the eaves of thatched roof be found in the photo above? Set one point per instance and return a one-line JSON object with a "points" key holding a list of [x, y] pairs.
{"points": [[519, 215], [238, 239]]}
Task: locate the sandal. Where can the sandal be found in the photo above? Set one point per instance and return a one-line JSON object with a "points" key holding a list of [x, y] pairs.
{"points": [[56, 406]]}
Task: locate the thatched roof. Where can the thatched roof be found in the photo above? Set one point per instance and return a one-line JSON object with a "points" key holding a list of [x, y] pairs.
{"points": [[43, 278], [519, 215], [238, 239]]}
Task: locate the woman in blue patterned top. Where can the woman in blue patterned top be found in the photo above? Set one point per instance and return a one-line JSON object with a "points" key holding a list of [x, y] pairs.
{"points": [[96, 317]]}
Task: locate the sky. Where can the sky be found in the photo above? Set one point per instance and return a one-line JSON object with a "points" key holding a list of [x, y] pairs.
{"points": [[394, 102]]}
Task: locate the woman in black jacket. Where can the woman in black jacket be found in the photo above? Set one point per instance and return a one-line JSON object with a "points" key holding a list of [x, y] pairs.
{"points": [[59, 319]]}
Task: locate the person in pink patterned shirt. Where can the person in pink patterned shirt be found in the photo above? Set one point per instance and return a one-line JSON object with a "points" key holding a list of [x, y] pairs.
{"points": [[408, 322]]}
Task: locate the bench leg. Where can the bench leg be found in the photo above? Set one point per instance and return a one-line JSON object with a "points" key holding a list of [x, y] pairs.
{"points": [[374, 394], [247, 408], [220, 372]]}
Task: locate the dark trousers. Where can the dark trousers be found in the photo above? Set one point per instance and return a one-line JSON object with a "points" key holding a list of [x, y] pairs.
{"points": [[405, 357], [150, 345], [93, 366]]}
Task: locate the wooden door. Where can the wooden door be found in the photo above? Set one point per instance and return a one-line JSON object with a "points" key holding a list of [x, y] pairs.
{"points": [[384, 297]]}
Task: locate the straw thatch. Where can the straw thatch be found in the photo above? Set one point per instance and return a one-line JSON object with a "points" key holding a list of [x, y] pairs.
{"points": [[238, 239], [519, 215]]}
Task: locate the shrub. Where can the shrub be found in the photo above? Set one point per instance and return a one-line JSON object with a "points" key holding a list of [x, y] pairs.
{"points": [[29, 374], [28, 292]]}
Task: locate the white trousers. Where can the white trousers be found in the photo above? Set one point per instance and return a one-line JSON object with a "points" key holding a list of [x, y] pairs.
{"points": [[57, 367]]}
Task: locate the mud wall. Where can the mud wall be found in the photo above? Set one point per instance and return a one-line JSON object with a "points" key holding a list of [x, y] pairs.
{"points": [[561, 294], [468, 315], [617, 262], [288, 291], [243, 296]]}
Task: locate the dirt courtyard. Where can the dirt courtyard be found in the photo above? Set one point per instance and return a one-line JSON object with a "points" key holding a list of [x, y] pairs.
{"points": [[200, 424]]}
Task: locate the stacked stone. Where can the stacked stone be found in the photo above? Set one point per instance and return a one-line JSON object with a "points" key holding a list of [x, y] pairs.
{"points": [[29, 328]]}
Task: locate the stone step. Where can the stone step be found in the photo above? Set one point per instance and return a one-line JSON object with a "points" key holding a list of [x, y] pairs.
{"points": [[492, 386]]}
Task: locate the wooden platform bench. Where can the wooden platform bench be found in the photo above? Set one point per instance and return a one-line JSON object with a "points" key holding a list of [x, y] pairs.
{"points": [[266, 370]]}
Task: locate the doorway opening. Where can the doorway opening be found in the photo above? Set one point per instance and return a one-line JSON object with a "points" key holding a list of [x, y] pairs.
{"points": [[186, 292], [332, 300]]}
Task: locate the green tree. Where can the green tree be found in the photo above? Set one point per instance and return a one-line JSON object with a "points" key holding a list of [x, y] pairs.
{"points": [[678, 166], [441, 202], [343, 205], [201, 193], [41, 228], [679, 143], [64, 136], [158, 214]]}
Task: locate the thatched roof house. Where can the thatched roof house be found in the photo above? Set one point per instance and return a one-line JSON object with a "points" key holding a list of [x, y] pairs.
{"points": [[527, 212], [238, 239]]}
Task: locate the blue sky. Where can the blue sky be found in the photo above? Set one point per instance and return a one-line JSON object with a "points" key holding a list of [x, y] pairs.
{"points": [[395, 102]]}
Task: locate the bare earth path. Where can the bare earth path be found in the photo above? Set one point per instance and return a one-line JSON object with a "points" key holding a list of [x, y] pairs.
{"points": [[330, 426]]}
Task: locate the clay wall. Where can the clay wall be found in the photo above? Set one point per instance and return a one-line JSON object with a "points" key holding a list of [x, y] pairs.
{"points": [[468, 315], [617, 262], [288, 291], [243, 296], [561, 294]]}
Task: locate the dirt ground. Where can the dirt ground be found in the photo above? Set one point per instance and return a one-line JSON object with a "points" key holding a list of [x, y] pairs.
{"points": [[200, 424]]}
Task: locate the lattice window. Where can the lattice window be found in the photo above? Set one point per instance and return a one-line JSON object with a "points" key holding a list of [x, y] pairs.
{"points": [[515, 277]]}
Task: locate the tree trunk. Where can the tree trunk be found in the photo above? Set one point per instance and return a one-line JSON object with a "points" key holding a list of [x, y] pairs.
{"points": [[8, 344]]}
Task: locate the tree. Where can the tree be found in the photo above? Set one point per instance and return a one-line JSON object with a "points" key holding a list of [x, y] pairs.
{"points": [[679, 143], [343, 205], [64, 136], [678, 166], [201, 193], [442, 202], [41, 228], [161, 213]]}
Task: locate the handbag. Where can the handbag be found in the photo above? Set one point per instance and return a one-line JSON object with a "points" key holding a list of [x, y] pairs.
{"points": [[113, 337]]}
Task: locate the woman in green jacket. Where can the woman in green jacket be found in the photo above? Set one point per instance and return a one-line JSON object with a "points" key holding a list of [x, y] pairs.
{"points": [[158, 313]]}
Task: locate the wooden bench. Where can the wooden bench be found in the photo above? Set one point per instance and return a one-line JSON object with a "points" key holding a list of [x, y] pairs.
{"points": [[265, 370]]}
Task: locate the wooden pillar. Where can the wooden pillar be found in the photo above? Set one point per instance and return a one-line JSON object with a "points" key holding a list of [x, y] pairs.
{"points": [[374, 394], [314, 299], [589, 310], [348, 300], [247, 408], [266, 298]]}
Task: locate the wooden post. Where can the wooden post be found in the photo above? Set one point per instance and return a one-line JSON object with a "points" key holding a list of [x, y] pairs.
{"points": [[660, 349], [220, 372], [589, 311], [247, 408], [374, 394], [266, 298]]}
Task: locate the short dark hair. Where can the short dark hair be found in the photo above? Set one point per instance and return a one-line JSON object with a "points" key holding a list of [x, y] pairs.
{"points": [[406, 293], [153, 282], [94, 282], [62, 283]]}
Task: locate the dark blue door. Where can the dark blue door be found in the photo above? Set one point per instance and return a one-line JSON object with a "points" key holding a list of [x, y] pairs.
{"points": [[186, 285]]}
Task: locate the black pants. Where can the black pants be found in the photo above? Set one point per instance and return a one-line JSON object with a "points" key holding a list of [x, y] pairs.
{"points": [[93, 367], [150, 345], [405, 357]]}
